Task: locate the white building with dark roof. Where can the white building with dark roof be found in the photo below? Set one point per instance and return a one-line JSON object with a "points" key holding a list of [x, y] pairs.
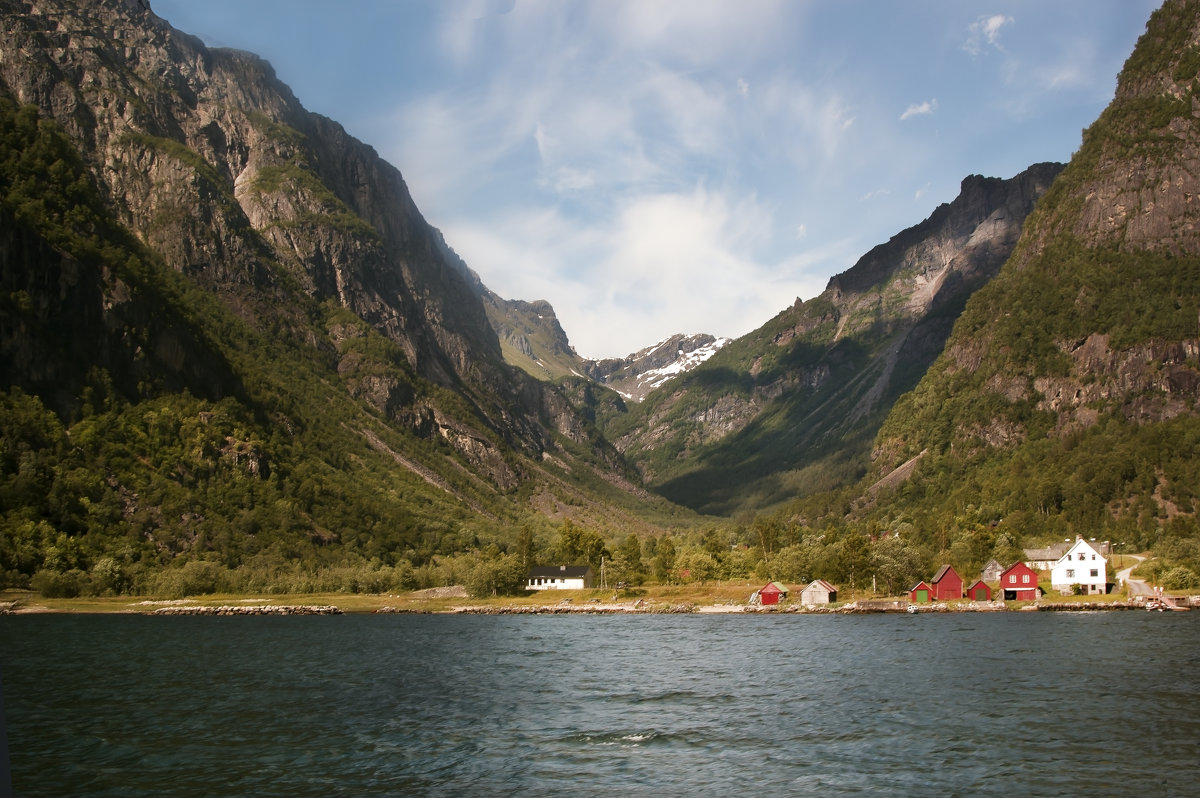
{"points": [[1082, 565], [559, 577]]}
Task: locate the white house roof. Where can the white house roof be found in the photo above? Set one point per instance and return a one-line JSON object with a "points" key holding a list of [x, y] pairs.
{"points": [[1081, 545]]}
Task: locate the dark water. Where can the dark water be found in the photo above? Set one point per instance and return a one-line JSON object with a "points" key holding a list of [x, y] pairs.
{"points": [[1011, 704]]}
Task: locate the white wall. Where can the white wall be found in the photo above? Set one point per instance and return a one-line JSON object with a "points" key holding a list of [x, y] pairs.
{"points": [[1071, 570]]}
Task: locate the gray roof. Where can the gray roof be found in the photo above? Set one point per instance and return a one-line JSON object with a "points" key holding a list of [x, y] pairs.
{"points": [[559, 571], [1048, 554]]}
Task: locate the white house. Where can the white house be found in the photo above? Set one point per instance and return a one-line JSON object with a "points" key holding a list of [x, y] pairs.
{"points": [[1081, 565], [559, 577]]}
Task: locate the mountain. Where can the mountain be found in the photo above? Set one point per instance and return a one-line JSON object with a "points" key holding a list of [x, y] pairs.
{"points": [[1066, 399], [636, 375], [532, 339], [793, 407], [228, 332]]}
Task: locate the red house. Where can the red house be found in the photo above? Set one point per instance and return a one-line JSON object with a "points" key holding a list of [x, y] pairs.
{"points": [[1019, 583], [947, 585], [921, 593], [979, 591], [772, 593]]}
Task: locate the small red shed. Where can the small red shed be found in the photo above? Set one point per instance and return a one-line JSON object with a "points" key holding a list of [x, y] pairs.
{"points": [[921, 593], [947, 585], [979, 591], [772, 593], [1019, 583]]}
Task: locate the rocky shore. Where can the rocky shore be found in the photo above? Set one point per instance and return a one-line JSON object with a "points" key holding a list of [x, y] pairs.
{"points": [[262, 609]]}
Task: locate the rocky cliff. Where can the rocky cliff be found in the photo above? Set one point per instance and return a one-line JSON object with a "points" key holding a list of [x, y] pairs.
{"points": [[809, 389], [226, 331], [211, 162], [1067, 397]]}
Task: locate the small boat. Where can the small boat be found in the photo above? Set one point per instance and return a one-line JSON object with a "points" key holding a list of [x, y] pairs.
{"points": [[1163, 605]]}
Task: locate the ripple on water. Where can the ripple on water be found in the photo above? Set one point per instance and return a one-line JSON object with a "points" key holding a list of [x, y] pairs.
{"points": [[436, 705]]}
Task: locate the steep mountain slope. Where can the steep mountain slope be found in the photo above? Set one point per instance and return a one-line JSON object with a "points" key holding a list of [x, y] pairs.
{"points": [[247, 335], [793, 406], [531, 337], [1066, 399]]}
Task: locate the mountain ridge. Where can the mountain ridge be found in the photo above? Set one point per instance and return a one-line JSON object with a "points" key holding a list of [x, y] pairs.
{"points": [[237, 357], [764, 405], [251, 340]]}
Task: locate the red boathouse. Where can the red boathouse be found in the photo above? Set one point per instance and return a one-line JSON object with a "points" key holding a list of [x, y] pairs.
{"points": [[772, 593], [947, 585], [1019, 583], [979, 591], [921, 593]]}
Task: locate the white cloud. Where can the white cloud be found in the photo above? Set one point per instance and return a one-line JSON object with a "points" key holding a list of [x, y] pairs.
{"points": [[985, 32], [743, 87], [656, 265], [919, 109]]}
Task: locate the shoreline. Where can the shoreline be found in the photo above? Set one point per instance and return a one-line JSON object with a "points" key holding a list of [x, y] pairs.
{"points": [[365, 605]]}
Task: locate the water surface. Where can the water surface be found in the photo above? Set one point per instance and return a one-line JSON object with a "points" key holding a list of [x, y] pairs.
{"points": [[1017, 703]]}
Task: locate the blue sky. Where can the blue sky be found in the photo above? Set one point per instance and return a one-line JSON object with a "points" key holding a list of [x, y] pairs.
{"points": [[662, 166]]}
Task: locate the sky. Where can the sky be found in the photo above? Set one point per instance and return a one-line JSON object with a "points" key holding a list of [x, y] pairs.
{"points": [[654, 167]]}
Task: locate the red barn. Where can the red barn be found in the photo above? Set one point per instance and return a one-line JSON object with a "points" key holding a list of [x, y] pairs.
{"points": [[1019, 583], [947, 585], [979, 591], [921, 593]]}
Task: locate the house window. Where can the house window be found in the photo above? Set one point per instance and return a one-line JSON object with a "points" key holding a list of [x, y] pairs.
{"points": [[1070, 573], [1025, 578], [1012, 579], [1081, 555], [1095, 572]]}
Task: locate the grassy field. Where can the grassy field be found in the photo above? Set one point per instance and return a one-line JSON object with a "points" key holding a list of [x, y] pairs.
{"points": [[730, 593]]}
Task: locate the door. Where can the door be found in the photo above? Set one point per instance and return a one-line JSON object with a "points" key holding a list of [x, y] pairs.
{"points": [[922, 596]]}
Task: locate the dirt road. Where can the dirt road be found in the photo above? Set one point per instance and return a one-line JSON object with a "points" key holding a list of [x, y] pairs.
{"points": [[1137, 587]]}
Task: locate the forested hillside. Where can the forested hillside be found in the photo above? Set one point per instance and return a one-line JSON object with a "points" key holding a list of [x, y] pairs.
{"points": [[233, 352], [1065, 401]]}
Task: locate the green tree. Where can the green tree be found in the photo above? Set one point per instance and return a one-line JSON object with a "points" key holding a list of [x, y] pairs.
{"points": [[578, 546], [664, 560]]}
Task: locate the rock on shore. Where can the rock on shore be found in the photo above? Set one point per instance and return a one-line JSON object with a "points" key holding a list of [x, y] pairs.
{"points": [[265, 609]]}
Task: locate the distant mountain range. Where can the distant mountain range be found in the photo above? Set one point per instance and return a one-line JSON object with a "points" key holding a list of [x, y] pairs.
{"points": [[533, 340], [228, 337]]}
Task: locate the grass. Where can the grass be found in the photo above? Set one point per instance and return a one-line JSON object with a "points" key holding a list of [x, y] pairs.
{"points": [[730, 592]]}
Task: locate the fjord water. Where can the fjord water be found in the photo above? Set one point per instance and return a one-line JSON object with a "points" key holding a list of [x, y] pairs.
{"points": [[1012, 703]]}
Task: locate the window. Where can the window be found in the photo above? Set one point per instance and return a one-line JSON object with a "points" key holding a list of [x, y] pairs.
{"points": [[1081, 555], [1070, 573], [1025, 578], [1095, 572], [1012, 579]]}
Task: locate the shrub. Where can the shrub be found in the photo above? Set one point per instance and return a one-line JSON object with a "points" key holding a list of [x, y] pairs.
{"points": [[1180, 578], [59, 584]]}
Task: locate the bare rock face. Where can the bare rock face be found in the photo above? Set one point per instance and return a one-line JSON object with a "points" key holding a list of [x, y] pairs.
{"points": [[213, 163], [1094, 317]]}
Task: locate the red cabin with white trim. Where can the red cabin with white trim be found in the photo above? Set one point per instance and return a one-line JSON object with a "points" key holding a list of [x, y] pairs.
{"points": [[1019, 582]]}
